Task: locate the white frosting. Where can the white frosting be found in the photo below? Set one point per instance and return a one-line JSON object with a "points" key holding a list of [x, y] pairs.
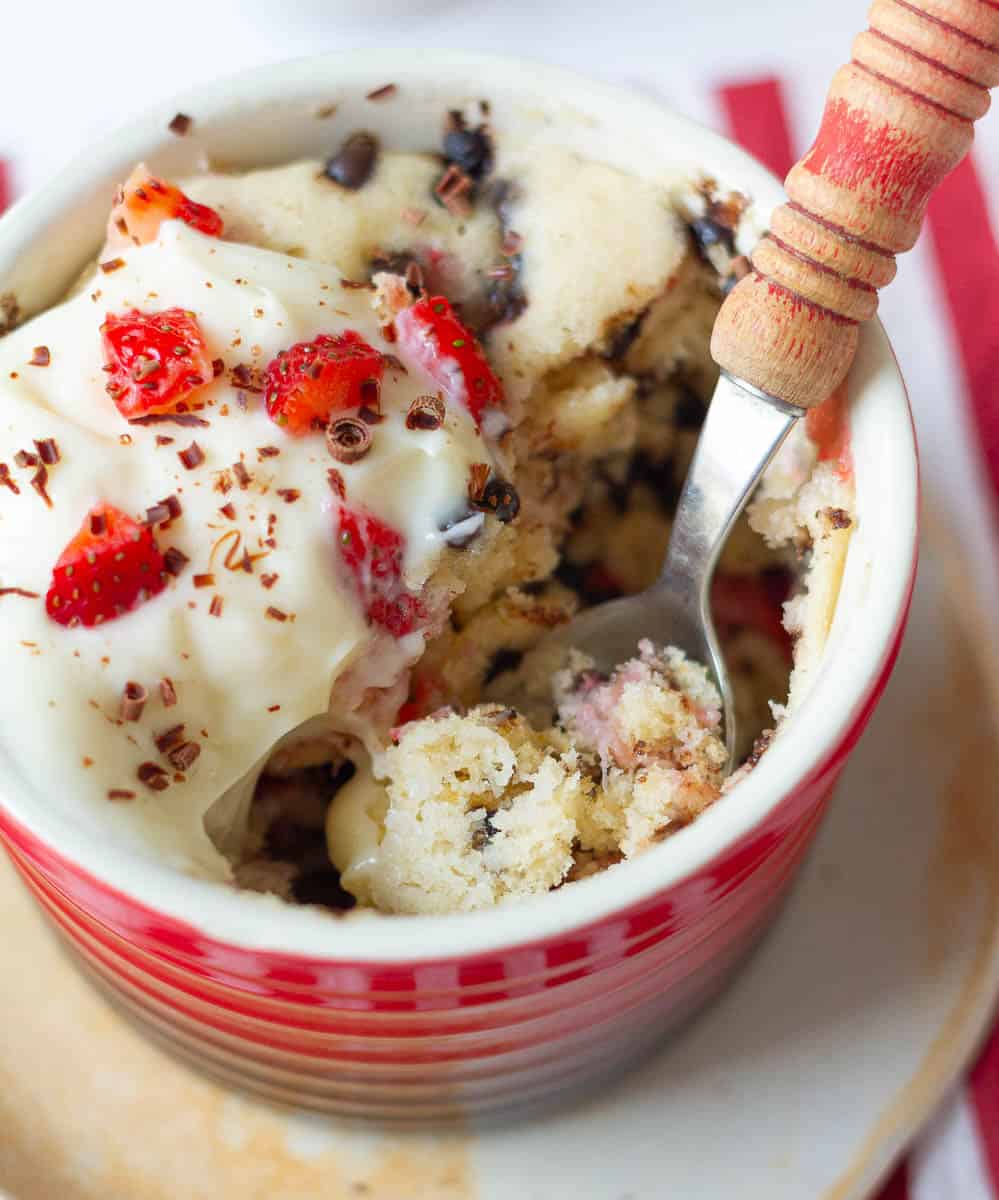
{"points": [[61, 687]]}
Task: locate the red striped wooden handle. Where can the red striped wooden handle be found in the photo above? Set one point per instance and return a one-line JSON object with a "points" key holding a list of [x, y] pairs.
{"points": [[897, 119]]}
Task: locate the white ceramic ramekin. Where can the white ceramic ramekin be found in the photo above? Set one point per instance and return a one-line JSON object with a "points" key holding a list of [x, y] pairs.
{"points": [[424, 1016]]}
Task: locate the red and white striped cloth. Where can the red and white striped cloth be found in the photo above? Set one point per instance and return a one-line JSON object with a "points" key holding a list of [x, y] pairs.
{"points": [[71, 72]]}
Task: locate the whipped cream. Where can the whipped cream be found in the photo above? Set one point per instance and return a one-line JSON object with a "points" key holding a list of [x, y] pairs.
{"points": [[243, 680]]}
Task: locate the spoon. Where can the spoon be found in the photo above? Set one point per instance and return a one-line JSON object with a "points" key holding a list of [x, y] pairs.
{"points": [[897, 119]]}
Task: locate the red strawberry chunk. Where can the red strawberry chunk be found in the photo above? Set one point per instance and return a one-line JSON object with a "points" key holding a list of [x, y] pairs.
{"points": [[110, 566], [145, 202], [430, 332], [372, 551], [310, 381], [154, 360]]}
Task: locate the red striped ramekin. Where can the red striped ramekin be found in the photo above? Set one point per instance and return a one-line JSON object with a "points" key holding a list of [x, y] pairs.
{"points": [[420, 1017]]}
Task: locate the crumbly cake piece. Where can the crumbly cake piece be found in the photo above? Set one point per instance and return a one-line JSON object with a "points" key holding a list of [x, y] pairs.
{"points": [[463, 812]]}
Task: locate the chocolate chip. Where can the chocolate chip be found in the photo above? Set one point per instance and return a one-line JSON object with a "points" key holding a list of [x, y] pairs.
{"points": [[180, 124], [353, 164], [499, 498], [469, 149]]}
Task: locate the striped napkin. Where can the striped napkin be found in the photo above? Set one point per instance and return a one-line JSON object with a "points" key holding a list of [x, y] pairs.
{"points": [[724, 66]]}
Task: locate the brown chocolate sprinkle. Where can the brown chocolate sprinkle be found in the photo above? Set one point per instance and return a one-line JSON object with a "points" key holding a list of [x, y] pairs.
{"points": [[119, 794], [192, 457], [227, 510], [273, 707], [289, 495], [98, 524], [163, 440], [168, 692], [336, 482], [205, 580], [180, 124], [25, 458], [153, 776], [248, 377], [112, 264], [454, 189], [267, 452], [156, 514], [276, 614], [48, 451], [169, 739], [40, 357], [6, 480], [39, 481], [184, 756], [426, 412], [384, 92], [16, 591], [243, 476], [478, 477], [499, 498], [215, 608], [173, 504], [268, 581], [348, 439], [174, 418], [353, 164], [174, 561], [133, 701]]}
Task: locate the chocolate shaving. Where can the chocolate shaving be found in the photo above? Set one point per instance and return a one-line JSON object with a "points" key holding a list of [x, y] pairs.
{"points": [[227, 510], [168, 692], [40, 357], [39, 481], [289, 495], [478, 477], [383, 92], [192, 457], [426, 412], [16, 591], [169, 738], [119, 794], [173, 504], [184, 756], [243, 476], [215, 608], [348, 439], [353, 164], [133, 701], [25, 458], [454, 190], [112, 264], [156, 514], [267, 452], [48, 451], [174, 418], [336, 482], [414, 279], [218, 366], [153, 776], [163, 440], [268, 581], [205, 580], [245, 376], [276, 614], [174, 561], [6, 479], [180, 124]]}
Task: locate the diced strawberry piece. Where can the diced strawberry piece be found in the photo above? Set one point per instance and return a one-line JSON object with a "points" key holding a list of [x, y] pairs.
{"points": [[310, 381], [110, 566], [145, 202], [827, 426], [430, 332], [372, 551], [154, 360]]}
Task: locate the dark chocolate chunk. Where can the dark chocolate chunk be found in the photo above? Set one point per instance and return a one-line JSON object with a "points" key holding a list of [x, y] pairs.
{"points": [[353, 164]]}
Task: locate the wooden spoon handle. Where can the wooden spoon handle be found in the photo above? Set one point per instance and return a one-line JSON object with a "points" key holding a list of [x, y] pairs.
{"points": [[897, 119]]}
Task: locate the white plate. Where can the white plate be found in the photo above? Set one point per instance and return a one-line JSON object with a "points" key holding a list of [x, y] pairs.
{"points": [[803, 1082]]}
